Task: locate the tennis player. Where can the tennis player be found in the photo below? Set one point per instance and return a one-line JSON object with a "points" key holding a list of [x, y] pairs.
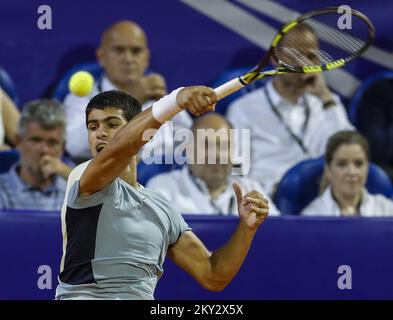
{"points": [[116, 233]]}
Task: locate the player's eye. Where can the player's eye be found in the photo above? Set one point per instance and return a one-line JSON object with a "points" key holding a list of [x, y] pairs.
{"points": [[113, 125], [93, 127]]}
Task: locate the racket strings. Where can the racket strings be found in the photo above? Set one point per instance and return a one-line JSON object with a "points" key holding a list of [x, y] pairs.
{"points": [[345, 39], [318, 56], [321, 40]]}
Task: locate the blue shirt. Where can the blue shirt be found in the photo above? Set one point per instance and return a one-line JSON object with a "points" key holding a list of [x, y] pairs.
{"points": [[17, 194]]}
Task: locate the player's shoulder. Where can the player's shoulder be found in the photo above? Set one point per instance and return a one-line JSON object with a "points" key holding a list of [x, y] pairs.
{"points": [[77, 172]]}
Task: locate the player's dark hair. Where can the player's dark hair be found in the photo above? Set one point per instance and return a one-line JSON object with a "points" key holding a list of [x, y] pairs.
{"points": [[115, 99]]}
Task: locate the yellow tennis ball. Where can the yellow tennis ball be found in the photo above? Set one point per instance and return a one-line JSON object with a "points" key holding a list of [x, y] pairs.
{"points": [[81, 83]]}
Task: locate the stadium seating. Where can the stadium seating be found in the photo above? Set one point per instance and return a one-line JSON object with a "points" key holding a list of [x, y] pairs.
{"points": [[358, 96], [61, 90], [7, 159], [300, 185]]}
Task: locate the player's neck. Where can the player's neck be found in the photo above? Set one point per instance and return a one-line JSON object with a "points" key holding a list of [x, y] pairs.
{"points": [[290, 95], [34, 180], [130, 175]]}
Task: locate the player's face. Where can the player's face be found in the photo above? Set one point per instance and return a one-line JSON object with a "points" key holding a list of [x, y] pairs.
{"points": [[102, 125], [124, 56], [348, 170], [38, 142]]}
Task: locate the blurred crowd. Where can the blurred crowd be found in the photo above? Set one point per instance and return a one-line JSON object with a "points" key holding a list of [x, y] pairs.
{"points": [[295, 121]]}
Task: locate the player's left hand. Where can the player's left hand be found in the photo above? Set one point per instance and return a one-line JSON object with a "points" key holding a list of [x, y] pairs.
{"points": [[253, 208]]}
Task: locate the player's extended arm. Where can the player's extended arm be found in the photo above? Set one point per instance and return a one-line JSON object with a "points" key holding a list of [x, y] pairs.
{"points": [[214, 271], [116, 156]]}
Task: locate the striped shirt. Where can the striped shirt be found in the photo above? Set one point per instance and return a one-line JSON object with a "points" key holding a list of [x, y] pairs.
{"points": [[17, 194]]}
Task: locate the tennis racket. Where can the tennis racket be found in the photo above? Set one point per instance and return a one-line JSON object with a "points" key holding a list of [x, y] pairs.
{"points": [[317, 41]]}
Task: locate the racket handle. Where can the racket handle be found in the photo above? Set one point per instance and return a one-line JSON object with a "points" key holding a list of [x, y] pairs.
{"points": [[228, 88]]}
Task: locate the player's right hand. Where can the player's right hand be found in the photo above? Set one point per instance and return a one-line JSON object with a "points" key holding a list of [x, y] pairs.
{"points": [[197, 99]]}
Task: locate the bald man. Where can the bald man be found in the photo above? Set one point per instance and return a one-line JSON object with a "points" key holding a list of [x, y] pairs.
{"points": [[206, 188], [124, 55]]}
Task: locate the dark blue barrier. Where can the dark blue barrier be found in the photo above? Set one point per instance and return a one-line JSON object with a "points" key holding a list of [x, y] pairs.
{"points": [[291, 258]]}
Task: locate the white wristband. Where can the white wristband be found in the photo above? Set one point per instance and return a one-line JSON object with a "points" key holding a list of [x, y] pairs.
{"points": [[166, 108]]}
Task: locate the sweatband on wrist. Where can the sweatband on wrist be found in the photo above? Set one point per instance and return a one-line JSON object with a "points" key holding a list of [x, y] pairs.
{"points": [[166, 108]]}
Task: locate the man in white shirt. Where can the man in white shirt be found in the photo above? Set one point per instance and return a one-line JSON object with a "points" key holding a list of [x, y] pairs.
{"points": [[291, 119], [124, 56], [206, 188]]}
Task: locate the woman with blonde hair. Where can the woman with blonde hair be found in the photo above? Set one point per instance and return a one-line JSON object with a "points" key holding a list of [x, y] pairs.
{"points": [[346, 169]]}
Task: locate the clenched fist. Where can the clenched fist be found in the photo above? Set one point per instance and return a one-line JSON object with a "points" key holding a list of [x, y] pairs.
{"points": [[197, 99]]}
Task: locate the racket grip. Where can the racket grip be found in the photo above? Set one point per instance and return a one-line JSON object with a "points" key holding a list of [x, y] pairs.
{"points": [[228, 88]]}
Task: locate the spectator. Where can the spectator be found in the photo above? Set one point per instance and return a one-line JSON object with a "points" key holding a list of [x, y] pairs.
{"points": [[124, 55], [346, 168], [37, 182], [207, 188], [9, 118], [375, 122], [291, 119]]}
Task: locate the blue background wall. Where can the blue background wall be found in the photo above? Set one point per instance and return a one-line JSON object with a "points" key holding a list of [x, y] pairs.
{"points": [[188, 47], [290, 258]]}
